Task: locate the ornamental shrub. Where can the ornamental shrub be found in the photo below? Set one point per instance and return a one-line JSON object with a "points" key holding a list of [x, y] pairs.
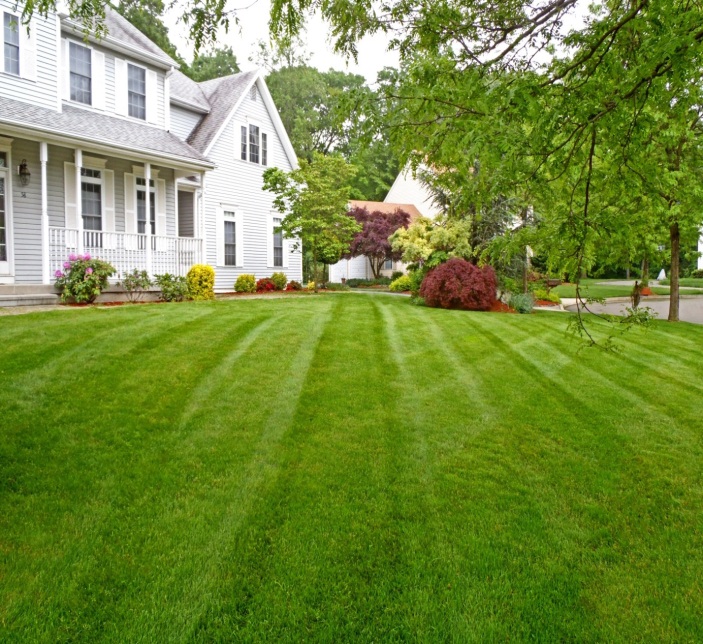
{"points": [[416, 278], [265, 285], [396, 274], [174, 288], [294, 286], [336, 286], [245, 284], [522, 302], [458, 284], [136, 284], [400, 284], [280, 280], [544, 294], [310, 286], [698, 273], [355, 282], [201, 282], [82, 278]]}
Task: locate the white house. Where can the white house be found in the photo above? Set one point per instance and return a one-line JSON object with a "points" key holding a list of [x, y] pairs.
{"points": [[406, 193], [96, 133]]}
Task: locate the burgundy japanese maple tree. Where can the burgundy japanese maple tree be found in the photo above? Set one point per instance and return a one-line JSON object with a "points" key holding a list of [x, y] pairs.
{"points": [[372, 241]]}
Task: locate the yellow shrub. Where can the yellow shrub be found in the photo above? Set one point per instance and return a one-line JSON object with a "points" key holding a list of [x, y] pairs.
{"points": [[201, 282], [311, 286]]}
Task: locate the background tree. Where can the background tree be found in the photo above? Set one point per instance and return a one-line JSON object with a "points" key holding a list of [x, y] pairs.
{"points": [[372, 241], [147, 16], [313, 200], [220, 62]]}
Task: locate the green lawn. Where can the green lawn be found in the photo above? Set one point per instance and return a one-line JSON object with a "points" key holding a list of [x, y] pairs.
{"points": [[695, 282], [598, 289], [346, 467]]}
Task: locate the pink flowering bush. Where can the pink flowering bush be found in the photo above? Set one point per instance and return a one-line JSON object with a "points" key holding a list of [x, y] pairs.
{"points": [[82, 278]]}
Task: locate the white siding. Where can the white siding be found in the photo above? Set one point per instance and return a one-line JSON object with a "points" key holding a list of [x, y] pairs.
{"points": [[406, 189], [355, 268], [44, 90], [239, 184], [110, 87], [183, 121]]}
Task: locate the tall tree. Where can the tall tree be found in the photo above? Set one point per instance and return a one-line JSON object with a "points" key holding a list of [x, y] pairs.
{"points": [[373, 240], [220, 62], [313, 200]]}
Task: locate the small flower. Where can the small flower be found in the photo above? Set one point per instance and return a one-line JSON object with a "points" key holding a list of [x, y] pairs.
{"points": [[88, 271], [67, 264], [86, 257], [58, 274], [73, 257]]}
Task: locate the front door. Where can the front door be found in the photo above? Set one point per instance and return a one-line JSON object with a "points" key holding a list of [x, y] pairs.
{"points": [[4, 216]]}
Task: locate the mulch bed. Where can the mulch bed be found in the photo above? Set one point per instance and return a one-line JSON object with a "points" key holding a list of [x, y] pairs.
{"points": [[501, 307], [545, 303]]}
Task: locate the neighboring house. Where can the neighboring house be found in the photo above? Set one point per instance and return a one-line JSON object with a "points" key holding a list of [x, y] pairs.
{"points": [[406, 193], [96, 134]]}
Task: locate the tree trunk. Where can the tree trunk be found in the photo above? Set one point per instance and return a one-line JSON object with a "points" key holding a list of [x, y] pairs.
{"points": [[645, 271], [627, 273], [525, 269], [675, 236], [314, 265], [375, 267]]}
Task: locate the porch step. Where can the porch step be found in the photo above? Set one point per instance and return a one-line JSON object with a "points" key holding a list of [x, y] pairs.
{"points": [[32, 299], [26, 289]]}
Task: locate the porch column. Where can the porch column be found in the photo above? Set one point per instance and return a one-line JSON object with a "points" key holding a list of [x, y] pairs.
{"points": [[79, 199], [147, 207], [46, 259]]}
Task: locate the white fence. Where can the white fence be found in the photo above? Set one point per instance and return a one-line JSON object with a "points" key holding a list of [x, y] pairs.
{"points": [[126, 251]]}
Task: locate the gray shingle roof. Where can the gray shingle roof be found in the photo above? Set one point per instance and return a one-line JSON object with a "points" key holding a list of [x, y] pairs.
{"points": [[222, 94], [99, 128], [188, 91]]}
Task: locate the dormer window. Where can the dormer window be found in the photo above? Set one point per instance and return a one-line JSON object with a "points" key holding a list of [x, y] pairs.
{"points": [[253, 144], [136, 92], [81, 73], [11, 37]]}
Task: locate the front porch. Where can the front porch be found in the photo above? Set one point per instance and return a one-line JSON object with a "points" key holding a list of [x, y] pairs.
{"points": [[155, 254]]}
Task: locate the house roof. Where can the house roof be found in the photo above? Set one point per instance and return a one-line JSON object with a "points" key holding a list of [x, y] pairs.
{"points": [[223, 95], [188, 92], [384, 207], [92, 127], [122, 32]]}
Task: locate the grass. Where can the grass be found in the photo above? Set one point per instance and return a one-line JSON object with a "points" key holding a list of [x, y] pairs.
{"points": [[694, 282], [599, 289], [346, 468]]}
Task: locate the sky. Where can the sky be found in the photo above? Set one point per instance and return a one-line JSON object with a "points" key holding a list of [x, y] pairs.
{"points": [[254, 16]]}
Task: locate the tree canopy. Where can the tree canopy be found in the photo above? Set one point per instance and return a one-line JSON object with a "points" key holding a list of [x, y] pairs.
{"points": [[220, 62], [313, 200]]}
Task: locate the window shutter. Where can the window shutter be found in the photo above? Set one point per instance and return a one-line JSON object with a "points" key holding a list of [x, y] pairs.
{"points": [[65, 71], [109, 208], [70, 197], [269, 241], [121, 89], [98, 69], [220, 237], [130, 211], [286, 251], [28, 51], [161, 244], [152, 102]]}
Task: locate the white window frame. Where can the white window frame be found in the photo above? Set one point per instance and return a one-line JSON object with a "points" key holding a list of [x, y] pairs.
{"points": [[152, 201], [270, 225], [19, 45], [238, 218], [8, 277], [146, 82], [238, 143], [92, 71], [97, 166]]}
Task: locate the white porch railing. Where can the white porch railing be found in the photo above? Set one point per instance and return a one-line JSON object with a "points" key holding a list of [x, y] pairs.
{"points": [[126, 251]]}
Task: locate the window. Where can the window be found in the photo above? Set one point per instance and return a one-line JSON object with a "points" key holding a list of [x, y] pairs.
{"points": [[3, 219], [244, 143], [141, 206], [230, 239], [264, 149], [388, 265], [11, 36], [254, 143], [81, 73], [91, 199], [277, 243], [136, 91]]}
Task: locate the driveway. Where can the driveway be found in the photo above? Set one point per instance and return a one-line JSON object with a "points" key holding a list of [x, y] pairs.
{"points": [[690, 308]]}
